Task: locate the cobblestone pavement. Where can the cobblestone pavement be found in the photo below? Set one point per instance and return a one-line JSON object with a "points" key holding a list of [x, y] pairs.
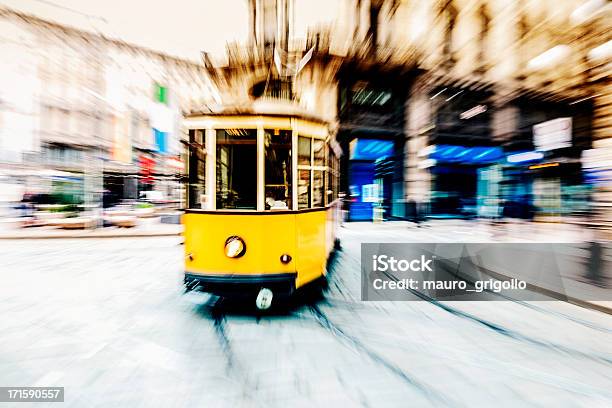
{"points": [[107, 320]]}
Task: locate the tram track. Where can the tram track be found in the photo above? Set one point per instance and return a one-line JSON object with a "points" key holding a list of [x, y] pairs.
{"points": [[483, 362], [348, 339], [528, 305], [219, 325], [340, 334], [564, 316], [504, 331], [236, 371], [489, 324]]}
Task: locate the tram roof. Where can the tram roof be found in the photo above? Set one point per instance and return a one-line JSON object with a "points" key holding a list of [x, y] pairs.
{"points": [[289, 122], [257, 115], [262, 110]]}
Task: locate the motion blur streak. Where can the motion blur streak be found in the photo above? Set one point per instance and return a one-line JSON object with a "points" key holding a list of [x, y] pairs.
{"points": [[418, 121]]}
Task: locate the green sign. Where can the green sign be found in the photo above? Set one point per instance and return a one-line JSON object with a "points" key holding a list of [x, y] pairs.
{"points": [[161, 94]]}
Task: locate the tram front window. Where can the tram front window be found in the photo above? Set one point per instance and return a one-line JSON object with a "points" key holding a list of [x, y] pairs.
{"points": [[237, 169], [278, 169]]}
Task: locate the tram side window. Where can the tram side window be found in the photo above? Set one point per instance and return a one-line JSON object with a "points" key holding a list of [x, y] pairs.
{"points": [[197, 169], [304, 163], [331, 172], [236, 184], [277, 169], [303, 189], [318, 150], [318, 188], [330, 182], [311, 165], [336, 181], [304, 151], [333, 168]]}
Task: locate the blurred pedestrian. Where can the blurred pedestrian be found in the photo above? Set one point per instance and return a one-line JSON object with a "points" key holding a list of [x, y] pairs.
{"points": [[26, 208], [26, 205], [595, 264], [419, 213]]}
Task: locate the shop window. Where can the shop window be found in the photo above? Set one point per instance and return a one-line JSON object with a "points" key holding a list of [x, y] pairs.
{"points": [[364, 95], [277, 169], [196, 182], [236, 184], [61, 155]]}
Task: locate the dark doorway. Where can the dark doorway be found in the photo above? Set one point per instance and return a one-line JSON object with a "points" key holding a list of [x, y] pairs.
{"points": [[454, 189]]}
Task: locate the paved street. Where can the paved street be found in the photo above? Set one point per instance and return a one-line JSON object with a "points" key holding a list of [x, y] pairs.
{"points": [[107, 319]]}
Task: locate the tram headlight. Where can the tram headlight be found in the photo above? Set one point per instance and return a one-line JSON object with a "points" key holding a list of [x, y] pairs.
{"points": [[234, 247]]}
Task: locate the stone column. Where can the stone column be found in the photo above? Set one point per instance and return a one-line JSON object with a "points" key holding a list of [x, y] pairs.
{"points": [[417, 176], [602, 158]]}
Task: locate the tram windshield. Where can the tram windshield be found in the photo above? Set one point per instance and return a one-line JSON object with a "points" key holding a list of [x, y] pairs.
{"points": [[237, 169], [259, 169], [278, 169]]}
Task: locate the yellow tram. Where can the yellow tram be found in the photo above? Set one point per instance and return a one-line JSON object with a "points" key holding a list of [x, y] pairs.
{"points": [[262, 204]]}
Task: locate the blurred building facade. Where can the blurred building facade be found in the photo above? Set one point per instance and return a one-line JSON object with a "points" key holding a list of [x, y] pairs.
{"points": [[450, 107], [473, 79], [465, 108], [446, 107], [91, 117]]}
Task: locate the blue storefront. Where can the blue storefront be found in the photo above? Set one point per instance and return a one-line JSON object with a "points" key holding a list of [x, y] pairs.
{"points": [[465, 180], [370, 184]]}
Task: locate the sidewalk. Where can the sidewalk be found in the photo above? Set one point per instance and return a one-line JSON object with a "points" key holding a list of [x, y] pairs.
{"points": [[147, 227]]}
